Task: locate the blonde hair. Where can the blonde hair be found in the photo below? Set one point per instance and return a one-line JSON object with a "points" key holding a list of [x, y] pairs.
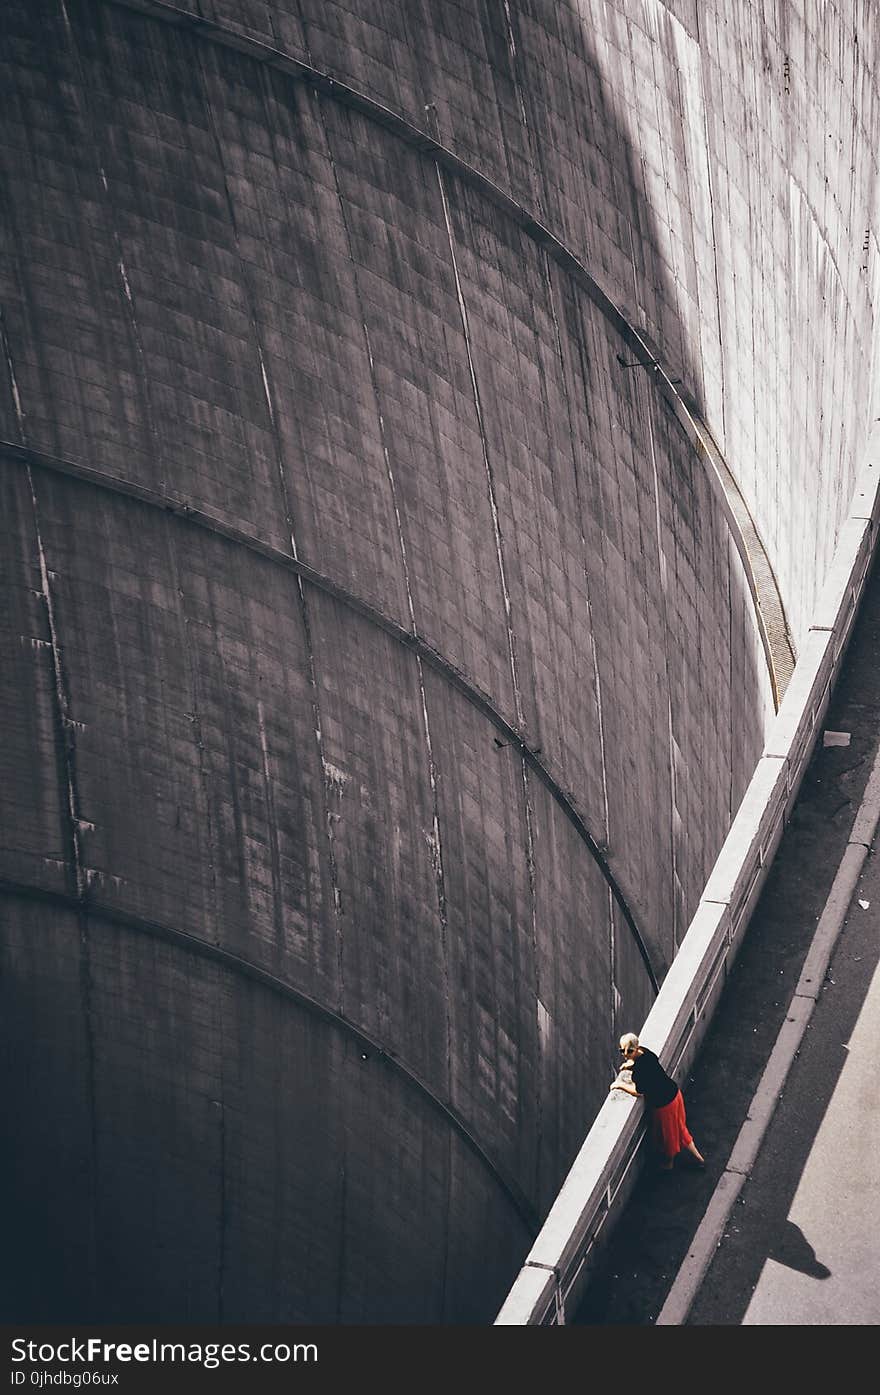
{"points": [[629, 1042]]}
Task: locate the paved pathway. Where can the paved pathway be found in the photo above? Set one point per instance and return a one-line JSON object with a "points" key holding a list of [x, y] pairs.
{"points": [[803, 1244]]}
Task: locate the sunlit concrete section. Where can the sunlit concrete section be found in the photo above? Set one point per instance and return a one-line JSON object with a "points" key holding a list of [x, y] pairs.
{"points": [[429, 432], [833, 1290]]}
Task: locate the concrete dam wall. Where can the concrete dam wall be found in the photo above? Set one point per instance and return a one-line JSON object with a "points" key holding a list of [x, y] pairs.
{"points": [[425, 431]]}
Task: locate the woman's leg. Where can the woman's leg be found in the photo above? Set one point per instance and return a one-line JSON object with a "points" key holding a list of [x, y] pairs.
{"points": [[666, 1135]]}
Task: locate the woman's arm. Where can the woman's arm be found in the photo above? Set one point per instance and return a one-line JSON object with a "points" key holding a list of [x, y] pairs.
{"points": [[630, 1089]]}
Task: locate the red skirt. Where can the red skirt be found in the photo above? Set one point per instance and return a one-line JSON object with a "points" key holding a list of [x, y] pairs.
{"points": [[669, 1130]]}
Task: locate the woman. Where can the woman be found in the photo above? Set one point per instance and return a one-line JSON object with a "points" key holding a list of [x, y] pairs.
{"points": [[669, 1130]]}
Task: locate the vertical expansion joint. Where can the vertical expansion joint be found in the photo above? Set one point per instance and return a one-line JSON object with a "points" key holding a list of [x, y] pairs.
{"points": [[487, 464], [274, 851], [221, 1229], [13, 383], [62, 707], [303, 607], [435, 840]]}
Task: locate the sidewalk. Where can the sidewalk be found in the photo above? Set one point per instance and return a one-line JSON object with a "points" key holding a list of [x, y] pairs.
{"points": [[802, 1245], [786, 1227]]}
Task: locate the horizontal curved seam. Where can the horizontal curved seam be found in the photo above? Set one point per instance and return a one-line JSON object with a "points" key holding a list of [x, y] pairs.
{"points": [[206, 521], [765, 593], [773, 625], [244, 968]]}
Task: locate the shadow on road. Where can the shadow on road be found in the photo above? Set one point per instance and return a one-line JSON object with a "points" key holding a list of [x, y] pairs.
{"points": [[793, 1249]]}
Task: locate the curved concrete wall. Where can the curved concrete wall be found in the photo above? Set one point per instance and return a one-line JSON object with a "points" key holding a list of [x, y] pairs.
{"points": [[747, 243], [381, 673]]}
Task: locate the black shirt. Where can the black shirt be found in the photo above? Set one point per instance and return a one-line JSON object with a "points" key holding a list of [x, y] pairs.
{"points": [[651, 1080]]}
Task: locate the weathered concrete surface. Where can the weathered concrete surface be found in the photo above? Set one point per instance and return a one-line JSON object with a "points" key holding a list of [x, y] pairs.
{"points": [[318, 973]]}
